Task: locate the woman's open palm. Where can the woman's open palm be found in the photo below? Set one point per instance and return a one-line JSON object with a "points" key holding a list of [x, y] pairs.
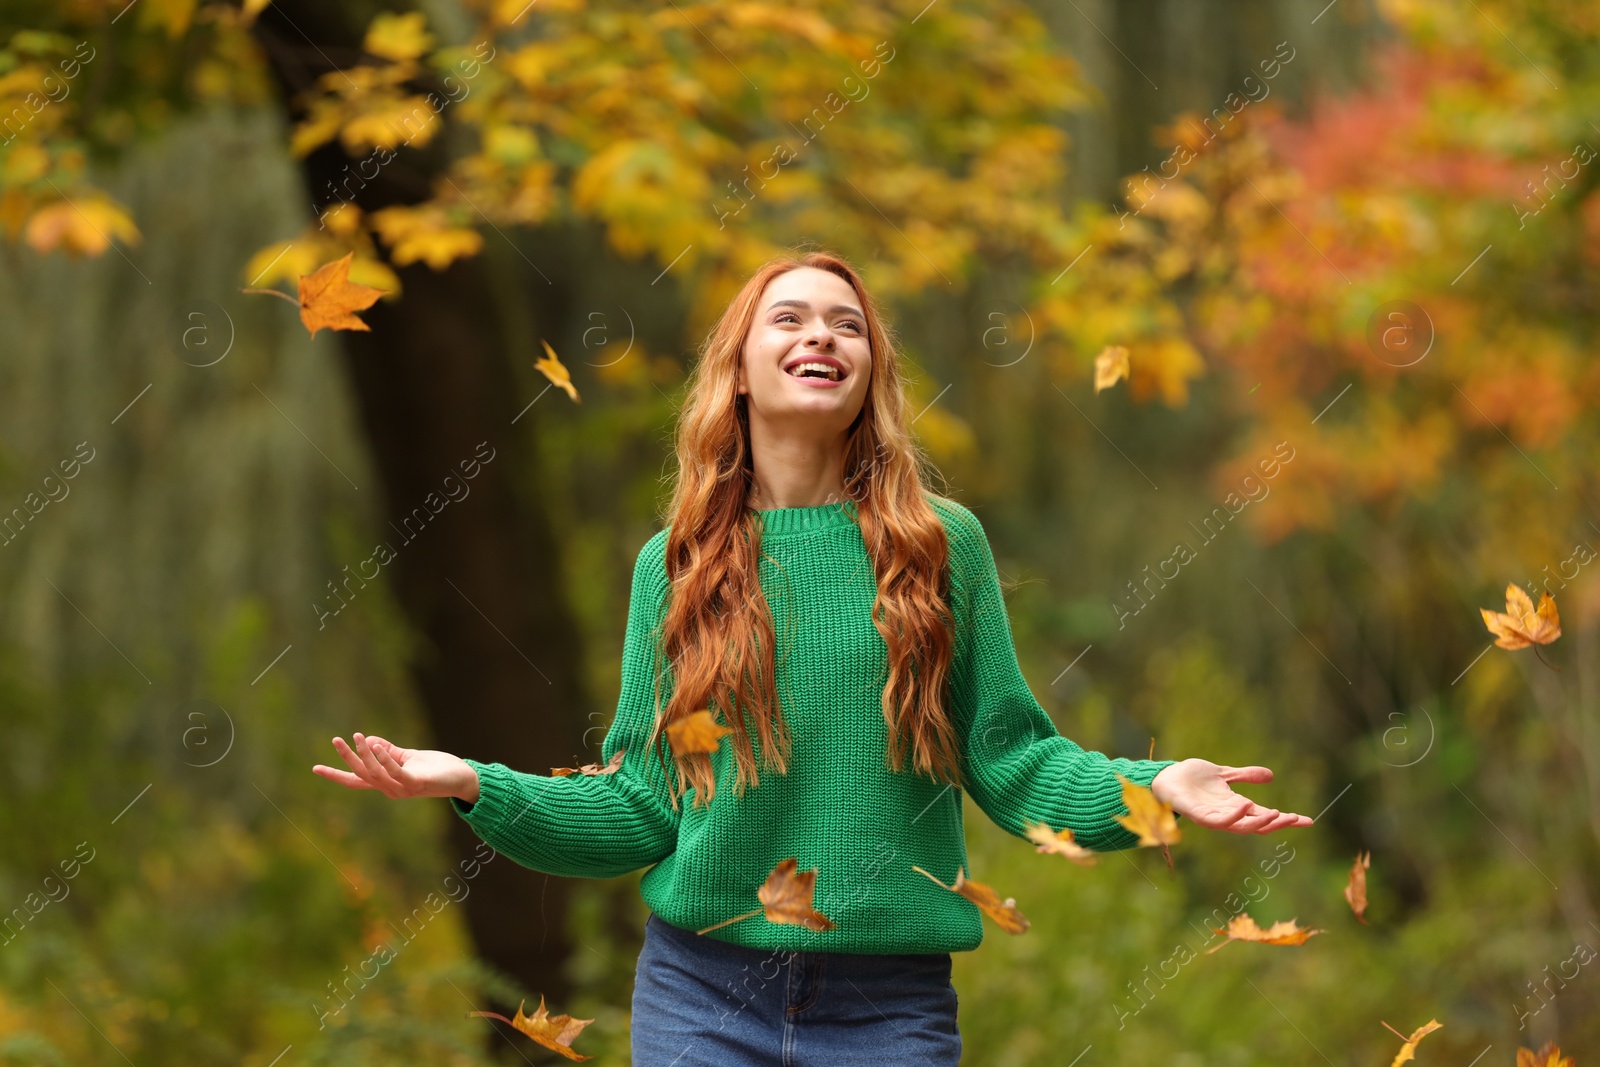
{"points": [[400, 772], [1199, 790]]}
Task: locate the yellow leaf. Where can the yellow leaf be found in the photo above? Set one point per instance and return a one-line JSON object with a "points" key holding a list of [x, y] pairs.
{"points": [[554, 1032], [1549, 1055], [1243, 928], [551, 367], [329, 299], [395, 36], [1521, 625], [1408, 1051], [1148, 817], [1060, 844], [1110, 367], [696, 733], [787, 895], [1355, 890]]}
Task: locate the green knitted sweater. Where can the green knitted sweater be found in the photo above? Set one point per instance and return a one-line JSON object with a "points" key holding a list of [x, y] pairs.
{"points": [[839, 808]]}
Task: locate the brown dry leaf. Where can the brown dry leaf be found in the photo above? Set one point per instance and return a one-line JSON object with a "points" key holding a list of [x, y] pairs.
{"points": [[1355, 891], [551, 367], [786, 897], [1520, 625], [1003, 912], [329, 299], [1408, 1051], [554, 1032], [699, 732], [1110, 367], [1148, 817], [1549, 1055], [1060, 844], [590, 768], [1243, 928]]}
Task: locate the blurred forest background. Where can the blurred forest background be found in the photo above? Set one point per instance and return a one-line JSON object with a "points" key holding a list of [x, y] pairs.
{"points": [[1362, 239]]}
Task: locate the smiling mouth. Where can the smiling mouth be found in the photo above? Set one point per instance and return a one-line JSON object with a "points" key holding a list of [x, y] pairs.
{"points": [[815, 370]]}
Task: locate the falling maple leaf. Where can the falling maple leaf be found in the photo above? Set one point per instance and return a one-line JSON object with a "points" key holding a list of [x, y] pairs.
{"points": [[696, 733], [590, 768], [328, 298], [1521, 625], [554, 1032], [552, 368], [1408, 1051], [1153, 820], [1004, 912], [1549, 1055], [1355, 891], [1110, 367], [1243, 928], [1060, 844], [786, 898]]}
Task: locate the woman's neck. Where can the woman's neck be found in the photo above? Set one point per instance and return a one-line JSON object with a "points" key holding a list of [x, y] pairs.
{"points": [[796, 471]]}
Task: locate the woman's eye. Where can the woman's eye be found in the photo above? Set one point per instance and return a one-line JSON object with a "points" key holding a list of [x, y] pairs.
{"points": [[853, 325]]}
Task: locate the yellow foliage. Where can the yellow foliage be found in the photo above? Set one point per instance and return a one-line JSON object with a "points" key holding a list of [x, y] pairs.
{"points": [[424, 233], [395, 36], [85, 226]]}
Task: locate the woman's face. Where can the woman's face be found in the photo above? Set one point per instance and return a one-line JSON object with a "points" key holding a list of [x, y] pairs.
{"points": [[806, 356]]}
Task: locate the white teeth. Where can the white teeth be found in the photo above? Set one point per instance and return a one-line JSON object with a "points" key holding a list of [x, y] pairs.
{"points": [[831, 371]]}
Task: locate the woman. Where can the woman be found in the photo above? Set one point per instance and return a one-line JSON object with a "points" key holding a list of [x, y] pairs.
{"points": [[857, 620]]}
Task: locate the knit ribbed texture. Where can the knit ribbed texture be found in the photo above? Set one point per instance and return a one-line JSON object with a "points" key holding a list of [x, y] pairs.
{"points": [[839, 808]]}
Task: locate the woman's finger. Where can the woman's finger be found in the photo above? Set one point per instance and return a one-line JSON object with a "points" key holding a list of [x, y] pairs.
{"points": [[377, 773], [342, 777], [1257, 818], [392, 765], [348, 755], [1246, 774]]}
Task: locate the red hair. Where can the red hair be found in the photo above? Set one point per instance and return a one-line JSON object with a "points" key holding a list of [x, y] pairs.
{"points": [[717, 633]]}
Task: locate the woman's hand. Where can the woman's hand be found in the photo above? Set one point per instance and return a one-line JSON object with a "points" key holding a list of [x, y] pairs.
{"points": [[402, 772], [1198, 789]]}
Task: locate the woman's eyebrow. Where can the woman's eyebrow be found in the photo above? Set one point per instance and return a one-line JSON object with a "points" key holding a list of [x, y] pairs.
{"points": [[803, 304]]}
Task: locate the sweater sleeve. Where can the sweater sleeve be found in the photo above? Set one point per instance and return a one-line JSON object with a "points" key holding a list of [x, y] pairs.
{"points": [[1018, 767], [593, 826]]}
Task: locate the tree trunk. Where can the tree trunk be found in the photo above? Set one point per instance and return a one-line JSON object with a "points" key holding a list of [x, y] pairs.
{"points": [[497, 661]]}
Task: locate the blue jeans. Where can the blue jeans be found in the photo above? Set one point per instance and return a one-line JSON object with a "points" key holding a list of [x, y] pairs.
{"points": [[700, 1002]]}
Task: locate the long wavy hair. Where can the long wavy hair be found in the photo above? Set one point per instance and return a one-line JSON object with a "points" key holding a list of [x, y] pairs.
{"points": [[717, 634]]}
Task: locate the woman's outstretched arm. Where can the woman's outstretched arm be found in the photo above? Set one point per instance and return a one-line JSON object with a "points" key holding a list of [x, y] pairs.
{"points": [[1020, 769], [585, 826]]}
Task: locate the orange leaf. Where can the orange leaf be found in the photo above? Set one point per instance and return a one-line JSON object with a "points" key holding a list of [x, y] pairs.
{"points": [[590, 768], [329, 299], [696, 733], [1148, 817], [1003, 912], [1549, 1055], [1060, 844], [1520, 625], [1243, 928], [551, 367], [1409, 1049], [554, 1032], [787, 897], [1110, 367], [1355, 891]]}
